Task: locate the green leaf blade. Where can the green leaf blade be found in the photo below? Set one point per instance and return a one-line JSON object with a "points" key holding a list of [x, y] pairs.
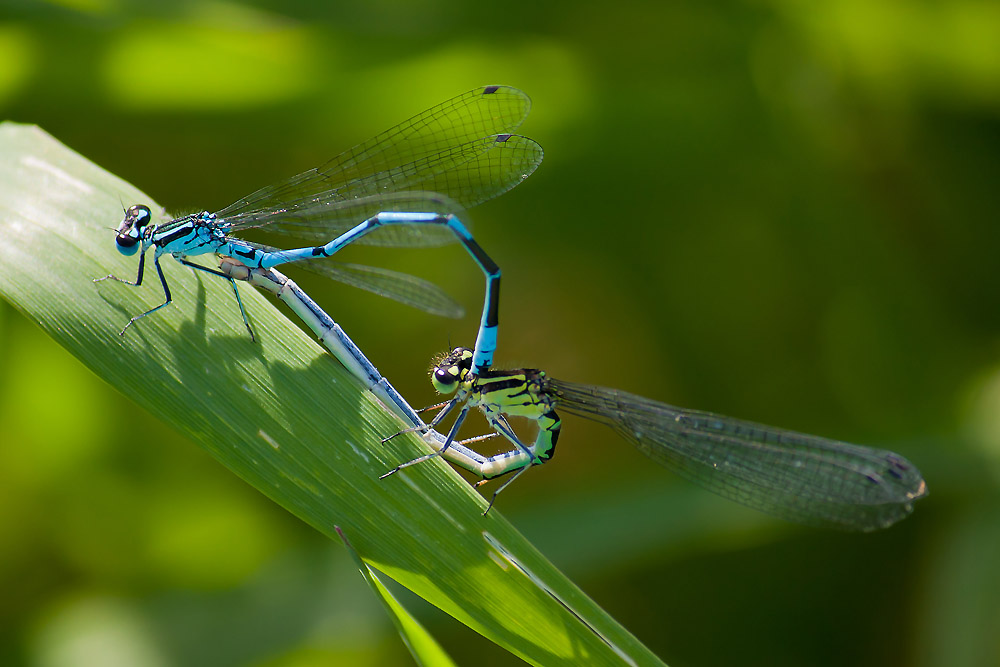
{"points": [[281, 414]]}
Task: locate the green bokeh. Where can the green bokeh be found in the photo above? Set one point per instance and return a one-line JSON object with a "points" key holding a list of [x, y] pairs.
{"points": [[782, 211]]}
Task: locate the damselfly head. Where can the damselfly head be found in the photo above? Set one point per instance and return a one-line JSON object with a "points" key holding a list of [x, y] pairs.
{"points": [[449, 371], [129, 233]]}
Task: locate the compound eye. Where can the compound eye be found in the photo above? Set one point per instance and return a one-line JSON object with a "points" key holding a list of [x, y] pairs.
{"points": [[126, 241], [138, 215], [445, 379], [127, 245]]}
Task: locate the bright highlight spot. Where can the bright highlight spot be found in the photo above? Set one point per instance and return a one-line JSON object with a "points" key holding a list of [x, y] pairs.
{"points": [[209, 65], [18, 55]]}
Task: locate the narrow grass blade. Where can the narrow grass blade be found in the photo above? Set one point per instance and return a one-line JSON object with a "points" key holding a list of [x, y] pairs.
{"points": [[422, 646]]}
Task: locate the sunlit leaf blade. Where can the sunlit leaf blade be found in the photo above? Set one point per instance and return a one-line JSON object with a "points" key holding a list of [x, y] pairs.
{"points": [[280, 413], [423, 647]]}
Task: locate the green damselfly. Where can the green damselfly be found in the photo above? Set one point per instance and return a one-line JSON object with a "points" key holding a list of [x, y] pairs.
{"points": [[794, 476]]}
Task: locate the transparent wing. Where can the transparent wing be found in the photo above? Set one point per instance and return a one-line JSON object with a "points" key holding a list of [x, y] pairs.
{"points": [[794, 476], [461, 148], [402, 287], [320, 220], [445, 182]]}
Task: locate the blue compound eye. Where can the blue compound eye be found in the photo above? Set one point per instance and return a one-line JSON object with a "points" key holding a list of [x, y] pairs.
{"points": [[130, 231], [138, 215], [127, 245]]}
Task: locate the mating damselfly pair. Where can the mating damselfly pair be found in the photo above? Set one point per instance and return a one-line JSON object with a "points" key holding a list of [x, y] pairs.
{"points": [[409, 186]]}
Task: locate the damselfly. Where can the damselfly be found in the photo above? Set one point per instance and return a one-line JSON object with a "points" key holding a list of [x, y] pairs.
{"points": [[412, 182], [335, 339], [798, 477]]}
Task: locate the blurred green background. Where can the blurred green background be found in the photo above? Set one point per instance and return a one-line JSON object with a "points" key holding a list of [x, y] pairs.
{"points": [[782, 211]]}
